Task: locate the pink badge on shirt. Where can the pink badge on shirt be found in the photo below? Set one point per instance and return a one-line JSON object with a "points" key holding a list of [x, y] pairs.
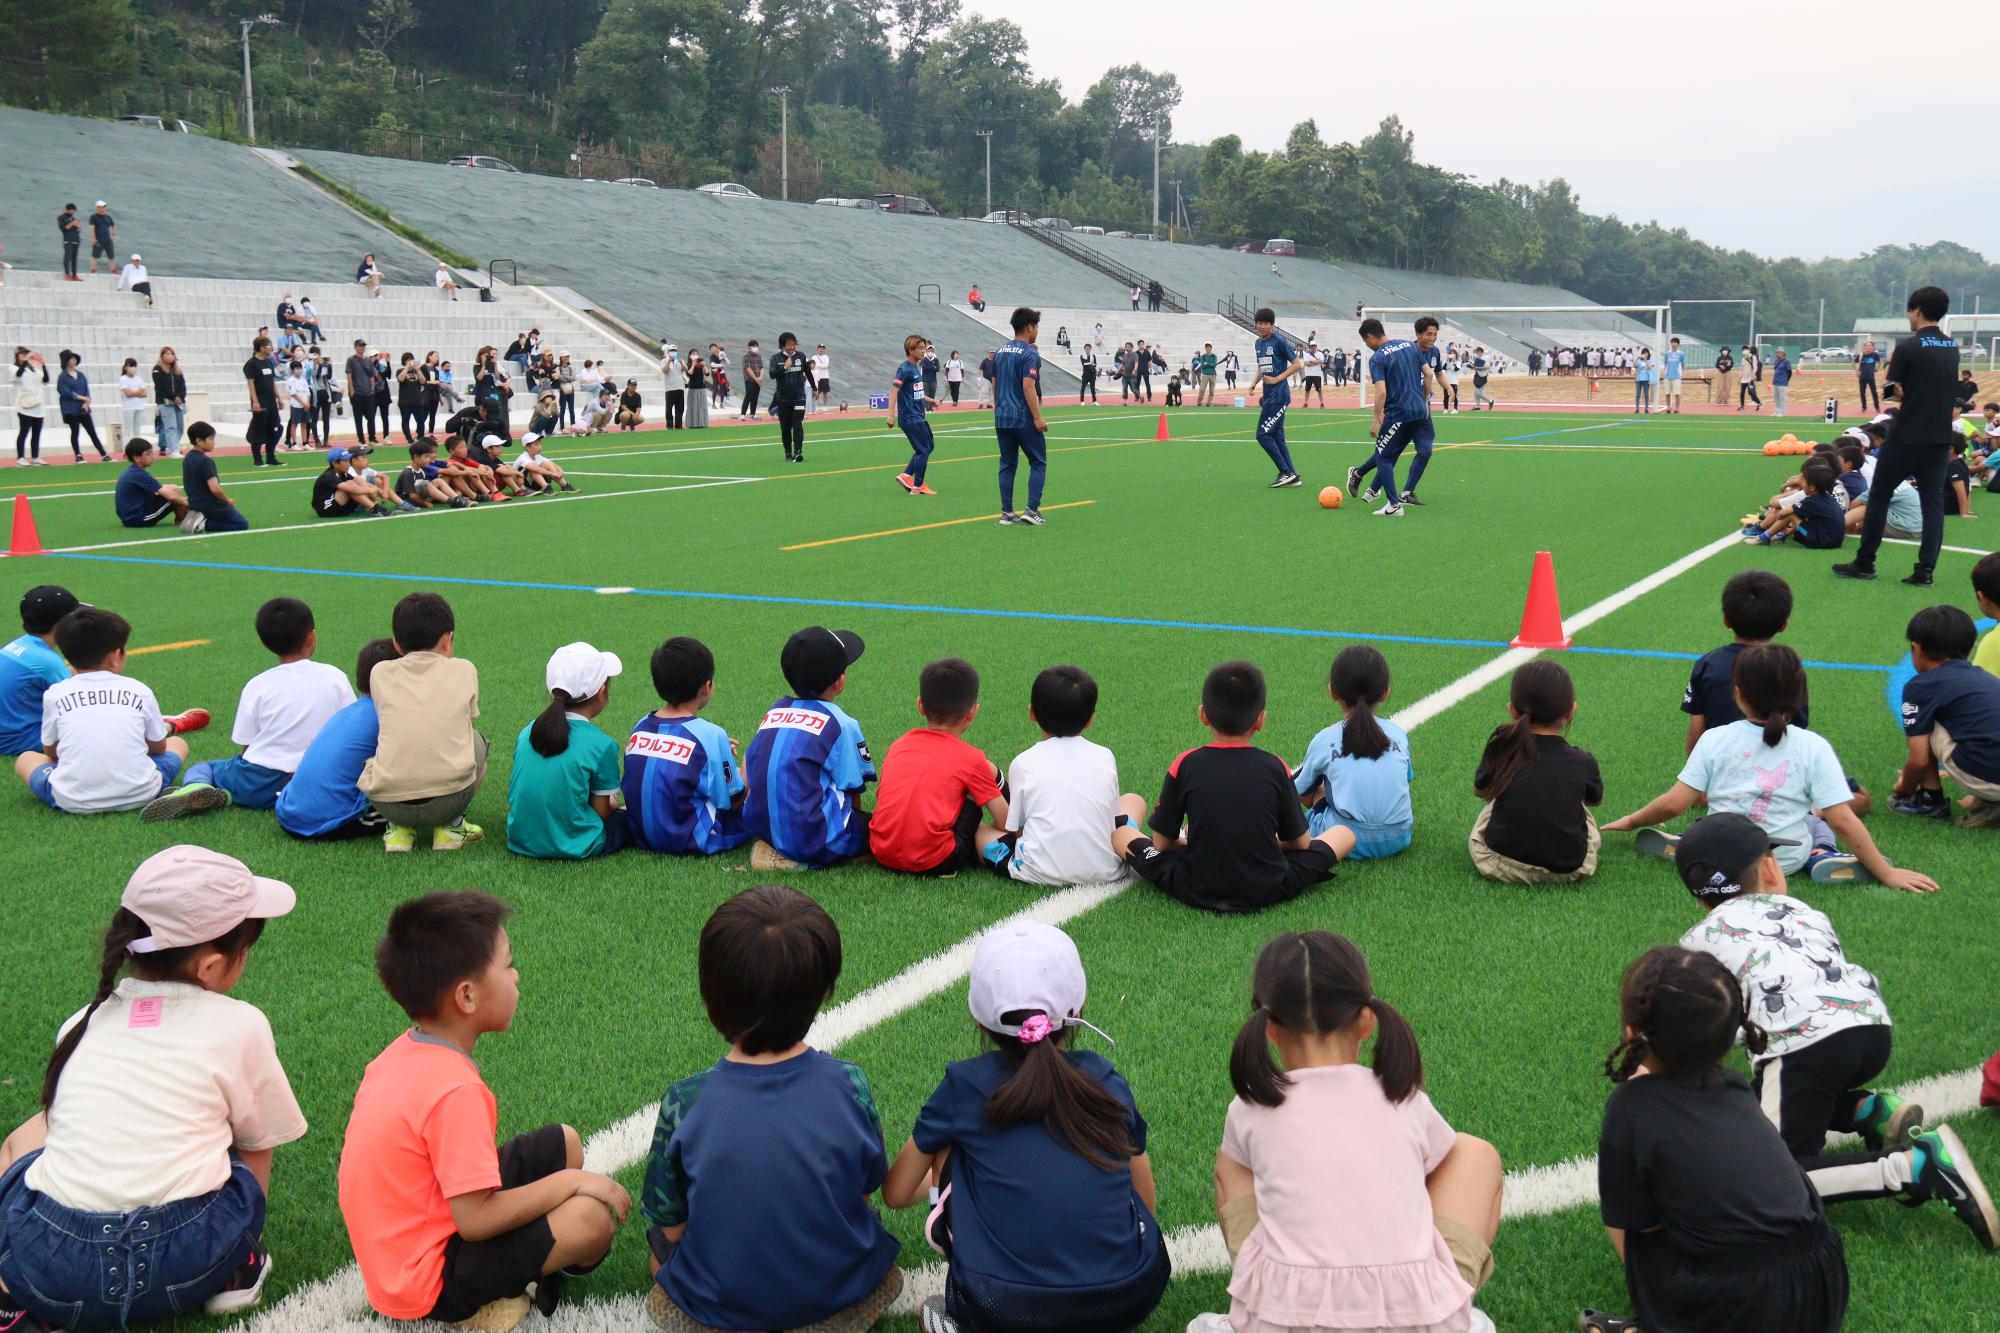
{"points": [[146, 1012]]}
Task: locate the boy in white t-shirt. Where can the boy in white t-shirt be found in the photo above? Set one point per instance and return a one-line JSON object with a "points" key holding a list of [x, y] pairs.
{"points": [[1064, 792], [540, 471], [280, 712], [104, 744]]}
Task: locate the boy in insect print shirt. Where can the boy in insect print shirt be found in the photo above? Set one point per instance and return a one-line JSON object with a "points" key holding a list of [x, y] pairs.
{"points": [[1826, 1032]]}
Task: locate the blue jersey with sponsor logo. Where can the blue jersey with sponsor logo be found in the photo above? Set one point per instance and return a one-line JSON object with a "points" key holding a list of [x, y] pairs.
{"points": [[806, 765], [1274, 357], [1674, 363], [1014, 365], [1399, 367], [909, 395], [680, 785]]}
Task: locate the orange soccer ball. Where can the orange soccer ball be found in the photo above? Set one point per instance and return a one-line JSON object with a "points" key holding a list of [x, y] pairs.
{"points": [[1770, 448], [1331, 497]]}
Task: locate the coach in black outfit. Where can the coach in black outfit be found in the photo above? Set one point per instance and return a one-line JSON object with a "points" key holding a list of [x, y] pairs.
{"points": [[1923, 373]]}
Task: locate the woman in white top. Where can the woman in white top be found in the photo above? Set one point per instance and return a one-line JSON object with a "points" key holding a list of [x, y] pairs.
{"points": [[954, 376], [31, 405], [133, 392]]}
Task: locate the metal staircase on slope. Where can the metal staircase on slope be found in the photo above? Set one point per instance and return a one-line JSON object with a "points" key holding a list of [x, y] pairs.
{"points": [[1097, 259]]}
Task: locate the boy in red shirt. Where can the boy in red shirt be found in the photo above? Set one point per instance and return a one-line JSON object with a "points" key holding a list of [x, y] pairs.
{"points": [[445, 1225], [935, 786]]}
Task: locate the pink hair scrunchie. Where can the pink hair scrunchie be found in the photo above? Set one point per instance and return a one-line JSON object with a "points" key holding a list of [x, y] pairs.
{"points": [[1037, 1028]]}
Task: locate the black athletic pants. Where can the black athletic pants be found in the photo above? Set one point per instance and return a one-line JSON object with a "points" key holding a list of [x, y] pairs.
{"points": [[676, 409], [28, 443], [322, 415], [89, 426], [1746, 391], [1866, 385], [752, 389], [1927, 464], [263, 436], [792, 428], [1089, 389]]}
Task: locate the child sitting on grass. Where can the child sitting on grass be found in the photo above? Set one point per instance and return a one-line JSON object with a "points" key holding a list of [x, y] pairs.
{"points": [[562, 793], [1246, 845], [1345, 1199], [1785, 778], [1951, 715], [757, 1185], [30, 664], [1827, 1030], [1756, 608], [1986, 592], [105, 746], [429, 759], [1906, 514], [683, 791], [162, 1103], [445, 1225], [1853, 481], [935, 786], [279, 713], [1063, 796], [1536, 826], [1815, 521], [465, 473], [1357, 773], [422, 484], [1716, 1225], [322, 802], [809, 763], [537, 468], [1034, 1158]]}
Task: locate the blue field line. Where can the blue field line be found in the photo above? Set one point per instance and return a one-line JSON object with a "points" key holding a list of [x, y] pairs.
{"points": [[917, 608], [1568, 430]]}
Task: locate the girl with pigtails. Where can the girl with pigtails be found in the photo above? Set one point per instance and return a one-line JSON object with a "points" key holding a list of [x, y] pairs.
{"points": [[1033, 1157], [1345, 1199], [1719, 1229]]}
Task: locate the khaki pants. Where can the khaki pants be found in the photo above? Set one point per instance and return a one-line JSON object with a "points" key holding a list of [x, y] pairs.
{"points": [[438, 811], [1946, 750], [1507, 870], [1722, 389]]}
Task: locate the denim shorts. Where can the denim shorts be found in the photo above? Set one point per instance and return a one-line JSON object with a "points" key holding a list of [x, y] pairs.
{"points": [[81, 1270], [39, 781]]}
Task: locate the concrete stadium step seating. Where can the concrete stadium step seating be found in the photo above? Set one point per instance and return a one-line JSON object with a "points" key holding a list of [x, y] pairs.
{"points": [[1177, 336], [210, 323]]}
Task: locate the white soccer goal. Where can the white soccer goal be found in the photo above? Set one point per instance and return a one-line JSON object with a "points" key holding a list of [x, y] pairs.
{"points": [[1531, 324]]}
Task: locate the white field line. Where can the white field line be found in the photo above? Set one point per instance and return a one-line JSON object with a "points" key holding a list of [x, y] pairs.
{"points": [[658, 476], [339, 1304], [1961, 550]]}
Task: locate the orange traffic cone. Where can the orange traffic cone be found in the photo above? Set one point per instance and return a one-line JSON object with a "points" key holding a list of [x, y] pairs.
{"points": [[1594, 388], [26, 540], [1542, 620], [1161, 434]]}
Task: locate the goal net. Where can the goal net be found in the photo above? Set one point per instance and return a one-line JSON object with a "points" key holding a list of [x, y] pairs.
{"points": [[1511, 332]]}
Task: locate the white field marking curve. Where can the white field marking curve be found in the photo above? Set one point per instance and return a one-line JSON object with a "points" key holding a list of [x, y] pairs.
{"points": [[338, 1304]]}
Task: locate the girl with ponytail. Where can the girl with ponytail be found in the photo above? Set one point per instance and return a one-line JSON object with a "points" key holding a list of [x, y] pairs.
{"points": [[1357, 772], [1536, 827], [139, 1191], [1342, 1193], [1783, 778], [1033, 1157], [561, 796]]}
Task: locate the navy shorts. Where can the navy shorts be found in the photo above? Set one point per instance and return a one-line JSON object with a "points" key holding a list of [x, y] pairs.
{"points": [[252, 786]]}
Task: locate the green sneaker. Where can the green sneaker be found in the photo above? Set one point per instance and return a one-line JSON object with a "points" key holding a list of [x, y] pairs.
{"points": [[1943, 1170], [1888, 1121], [191, 799], [455, 835], [397, 838]]}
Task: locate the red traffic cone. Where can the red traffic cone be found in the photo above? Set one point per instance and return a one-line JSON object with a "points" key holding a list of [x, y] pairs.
{"points": [[1542, 620], [1161, 434], [26, 540], [1593, 387]]}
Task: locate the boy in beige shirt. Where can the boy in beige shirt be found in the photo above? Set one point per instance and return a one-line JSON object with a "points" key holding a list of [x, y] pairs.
{"points": [[430, 758]]}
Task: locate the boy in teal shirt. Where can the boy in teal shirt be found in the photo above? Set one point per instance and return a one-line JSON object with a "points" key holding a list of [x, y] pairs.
{"points": [[567, 772]]}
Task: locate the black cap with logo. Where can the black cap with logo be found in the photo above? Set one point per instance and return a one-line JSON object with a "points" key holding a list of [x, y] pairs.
{"points": [[43, 606], [1718, 856], [815, 658]]}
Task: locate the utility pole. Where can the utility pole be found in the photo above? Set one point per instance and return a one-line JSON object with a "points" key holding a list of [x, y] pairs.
{"points": [[988, 136], [1173, 221], [249, 97], [1156, 178], [784, 93]]}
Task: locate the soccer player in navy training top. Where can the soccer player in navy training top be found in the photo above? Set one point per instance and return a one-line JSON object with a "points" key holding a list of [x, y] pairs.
{"points": [[909, 396], [1401, 372], [1275, 367], [1017, 417]]}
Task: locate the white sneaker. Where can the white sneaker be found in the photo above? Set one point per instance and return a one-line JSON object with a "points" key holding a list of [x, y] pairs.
{"points": [[1210, 1323], [933, 1319], [1389, 511]]}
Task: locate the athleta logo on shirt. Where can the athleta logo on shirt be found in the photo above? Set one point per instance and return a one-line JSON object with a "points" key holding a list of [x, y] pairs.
{"points": [[795, 719], [673, 749]]}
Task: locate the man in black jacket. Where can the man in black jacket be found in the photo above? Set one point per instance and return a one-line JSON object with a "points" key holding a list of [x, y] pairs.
{"points": [[787, 379], [1922, 376]]}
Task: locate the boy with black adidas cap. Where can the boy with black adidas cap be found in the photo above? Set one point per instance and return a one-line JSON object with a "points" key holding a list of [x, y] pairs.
{"points": [[1827, 1029], [30, 664], [809, 763]]}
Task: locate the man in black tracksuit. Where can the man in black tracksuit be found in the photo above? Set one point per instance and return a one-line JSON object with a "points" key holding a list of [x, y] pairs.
{"points": [[1923, 373], [789, 370]]}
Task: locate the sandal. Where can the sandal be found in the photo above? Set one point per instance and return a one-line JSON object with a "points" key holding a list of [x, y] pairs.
{"points": [[1596, 1321]]}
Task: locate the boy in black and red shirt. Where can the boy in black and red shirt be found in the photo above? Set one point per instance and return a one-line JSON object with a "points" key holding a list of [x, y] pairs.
{"points": [[1246, 846]]}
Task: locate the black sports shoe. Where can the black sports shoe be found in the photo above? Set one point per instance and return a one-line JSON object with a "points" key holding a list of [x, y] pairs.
{"points": [[1277, 481], [246, 1286], [1854, 569], [1919, 579], [1944, 1170], [1353, 479], [1923, 803], [1032, 517], [1410, 498], [1287, 481], [548, 1293]]}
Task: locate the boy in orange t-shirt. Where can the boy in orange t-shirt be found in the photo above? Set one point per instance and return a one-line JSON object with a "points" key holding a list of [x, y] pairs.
{"points": [[935, 786], [445, 1225]]}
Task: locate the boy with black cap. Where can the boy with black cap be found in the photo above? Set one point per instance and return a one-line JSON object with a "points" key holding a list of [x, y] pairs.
{"points": [[29, 665], [1827, 1029], [809, 762]]}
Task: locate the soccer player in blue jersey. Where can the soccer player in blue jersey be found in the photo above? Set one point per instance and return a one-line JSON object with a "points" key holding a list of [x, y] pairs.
{"points": [[683, 791], [1017, 417], [909, 396], [1403, 378], [1275, 367], [809, 763]]}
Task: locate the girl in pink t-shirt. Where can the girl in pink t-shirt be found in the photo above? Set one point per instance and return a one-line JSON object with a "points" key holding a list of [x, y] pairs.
{"points": [[1346, 1200]]}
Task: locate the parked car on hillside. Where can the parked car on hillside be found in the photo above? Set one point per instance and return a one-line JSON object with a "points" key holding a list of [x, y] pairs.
{"points": [[480, 162], [905, 203], [837, 202], [727, 190], [637, 180], [1119, 235], [161, 123], [1088, 231], [1055, 224], [1281, 245], [1826, 354]]}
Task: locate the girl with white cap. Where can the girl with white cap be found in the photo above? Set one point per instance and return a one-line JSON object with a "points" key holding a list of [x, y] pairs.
{"points": [[1034, 1157], [139, 1191], [560, 797]]}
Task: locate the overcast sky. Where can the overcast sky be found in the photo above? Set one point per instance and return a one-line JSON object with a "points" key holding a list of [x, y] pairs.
{"points": [[1776, 127]]}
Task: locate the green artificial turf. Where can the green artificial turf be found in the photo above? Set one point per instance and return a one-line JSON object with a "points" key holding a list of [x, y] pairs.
{"points": [[1512, 990]]}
